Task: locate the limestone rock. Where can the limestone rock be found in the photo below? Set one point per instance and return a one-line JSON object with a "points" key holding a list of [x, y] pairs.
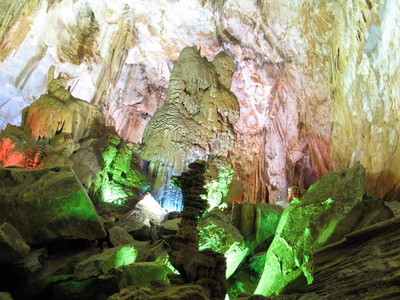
{"points": [[59, 112], [140, 274], [101, 263], [119, 236], [218, 234], [12, 245], [206, 267], [330, 209], [47, 205], [197, 105], [364, 264], [258, 221]]}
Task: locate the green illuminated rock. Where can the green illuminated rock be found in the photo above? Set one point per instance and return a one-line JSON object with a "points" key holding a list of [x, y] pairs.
{"points": [[140, 274], [47, 205], [218, 234], [331, 208], [101, 263]]}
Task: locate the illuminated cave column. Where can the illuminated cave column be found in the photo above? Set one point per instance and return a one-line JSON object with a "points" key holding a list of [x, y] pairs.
{"points": [[195, 121]]}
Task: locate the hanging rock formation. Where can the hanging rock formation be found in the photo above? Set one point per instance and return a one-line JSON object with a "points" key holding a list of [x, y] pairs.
{"points": [[195, 121]]}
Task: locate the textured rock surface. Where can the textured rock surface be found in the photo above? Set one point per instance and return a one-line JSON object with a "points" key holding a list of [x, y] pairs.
{"points": [[140, 274], [364, 265], [331, 208], [316, 80], [101, 263], [12, 245], [48, 204], [217, 233], [195, 121]]}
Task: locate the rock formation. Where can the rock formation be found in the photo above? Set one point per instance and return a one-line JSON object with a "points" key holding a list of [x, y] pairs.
{"points": [[337, 197], [206, 268], [47, 204], [195, 121], [313, 95]]}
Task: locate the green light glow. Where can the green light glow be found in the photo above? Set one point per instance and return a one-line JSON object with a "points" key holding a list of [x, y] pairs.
{"points": [[113, 193], [121, 177], [218, 188], [216, 236], [124, 256]]}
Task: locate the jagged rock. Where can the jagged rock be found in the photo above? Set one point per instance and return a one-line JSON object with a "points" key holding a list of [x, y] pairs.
{"points": [[331, 208], [101, 263], [47, 205], [139, 274], [363, 265], [217, 233], [12, 246], [118, 236]]}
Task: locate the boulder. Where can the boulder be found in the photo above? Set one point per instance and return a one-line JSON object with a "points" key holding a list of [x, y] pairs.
{"points": [[101, 263], [118, 236], [140, 274], [47, 205], [217, 233], [12, 245], [331, 208]]}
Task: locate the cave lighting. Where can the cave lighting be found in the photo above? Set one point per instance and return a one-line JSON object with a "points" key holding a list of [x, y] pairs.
{"points": [[151, 208], [113, 193]]}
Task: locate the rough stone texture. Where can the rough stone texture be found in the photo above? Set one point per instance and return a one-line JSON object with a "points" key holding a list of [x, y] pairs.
{"points": [[119, 236], [217, 233], [256, 221], [316, 80], [363, 265], [101, 263], [12, 245], [48, 204], [195, 121], [331, 208], [59, 112], [140, 274], [207, 267], [59, 129]]}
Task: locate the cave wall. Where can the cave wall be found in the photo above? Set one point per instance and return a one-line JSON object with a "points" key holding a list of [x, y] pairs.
{"points": [[315, 80]]}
